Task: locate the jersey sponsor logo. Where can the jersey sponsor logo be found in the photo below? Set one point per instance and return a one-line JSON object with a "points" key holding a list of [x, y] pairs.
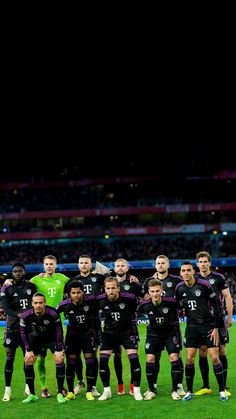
{"points": [[80, 319], [197, 293], [24, 303], [159, 320], [87, 288], [115, 316], [52, 292], [192, 305]]}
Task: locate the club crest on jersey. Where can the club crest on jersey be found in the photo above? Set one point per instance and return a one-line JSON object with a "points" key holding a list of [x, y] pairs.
{"points": [[29, 292], [147, 345], [8, 341], [93, 279], [197, 293], [46, 322], [86, 308], [58, 281], [126, 287], [169, 284], [165, 310], [212, 281], [122, 306]]}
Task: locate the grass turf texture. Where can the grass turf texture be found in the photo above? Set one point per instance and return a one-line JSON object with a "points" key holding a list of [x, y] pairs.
{"points": [[122, 407]]}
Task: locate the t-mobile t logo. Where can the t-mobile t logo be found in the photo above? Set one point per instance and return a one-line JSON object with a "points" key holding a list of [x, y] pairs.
{"points": [[192, 304]]}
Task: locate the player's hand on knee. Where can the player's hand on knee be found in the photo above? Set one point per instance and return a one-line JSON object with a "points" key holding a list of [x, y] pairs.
{"points": [[29, 358], [58, 356]]}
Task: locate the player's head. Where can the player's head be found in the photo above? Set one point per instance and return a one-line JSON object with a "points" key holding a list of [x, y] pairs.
{"points": [[204, 262], [50, 264], [187, 271], [39, 303], [112, 288], [155, 289], [162, 264], [18, 271], [76, 291], [121, 266], [85, 264]]}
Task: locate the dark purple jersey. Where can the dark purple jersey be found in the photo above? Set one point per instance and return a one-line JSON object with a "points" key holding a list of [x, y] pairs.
{"points": [[45, 328]]}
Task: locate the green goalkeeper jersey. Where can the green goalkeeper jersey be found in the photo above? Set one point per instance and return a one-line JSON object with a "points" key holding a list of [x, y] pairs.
{"points": [[51, 286]]}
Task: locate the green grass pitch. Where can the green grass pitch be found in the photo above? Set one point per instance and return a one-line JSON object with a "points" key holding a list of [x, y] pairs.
{"points": [[122, 407]]}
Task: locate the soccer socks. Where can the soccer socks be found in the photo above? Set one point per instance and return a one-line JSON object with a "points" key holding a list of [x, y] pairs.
{"points": [[224, 362], [60, 375], [189, 374], [89, 373], [95, 370], [135, 368], [150, 372], [204, 368], [118, 368], [175, 373], [29, 377], [8, 369], [79, 368], [218, 371], [181, 371], [157, 367], [70, 373], [104, 370], [41, 371]]}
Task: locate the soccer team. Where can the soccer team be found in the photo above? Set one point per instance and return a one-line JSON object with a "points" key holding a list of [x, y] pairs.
{"points": [[100, 311]]}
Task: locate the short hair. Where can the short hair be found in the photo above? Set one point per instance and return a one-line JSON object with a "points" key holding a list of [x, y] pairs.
{"points": [[19, 264], [75, 283], [111, 279], [163, 257], [153, 282], [50, 257], [85, 256], [39, 294], [203, 254], [186, 262], [122, 260]]}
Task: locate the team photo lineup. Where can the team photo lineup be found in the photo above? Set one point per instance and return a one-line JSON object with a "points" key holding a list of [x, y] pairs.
{"points": [[89, 320]]}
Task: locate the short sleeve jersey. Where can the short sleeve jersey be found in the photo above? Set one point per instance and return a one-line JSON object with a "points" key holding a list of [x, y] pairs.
{"points": [[52, 287]]}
